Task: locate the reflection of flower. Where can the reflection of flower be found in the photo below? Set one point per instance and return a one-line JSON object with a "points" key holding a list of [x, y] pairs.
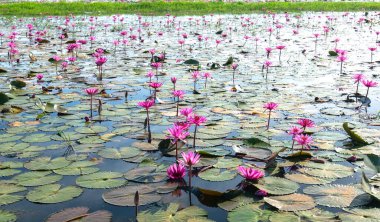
{"points": [[250, 173], [261, 193], [176, 171]]}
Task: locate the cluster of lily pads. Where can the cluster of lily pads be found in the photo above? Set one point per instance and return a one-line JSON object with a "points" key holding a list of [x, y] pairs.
{"points": [[249, 116]]}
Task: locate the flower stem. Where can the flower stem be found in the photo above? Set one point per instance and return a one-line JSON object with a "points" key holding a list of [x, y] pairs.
{"points": [[195, 134], [148, 123]]}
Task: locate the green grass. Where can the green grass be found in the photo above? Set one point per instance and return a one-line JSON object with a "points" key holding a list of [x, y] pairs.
{"points": [[176, 8]]}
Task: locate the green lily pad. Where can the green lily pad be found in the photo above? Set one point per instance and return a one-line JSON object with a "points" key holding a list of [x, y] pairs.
{"points": [[78, 168], [291, 202], [53, 193], [91, 129], [6, 216], [122, 153], [338, 195], [148, 174], [101, 180], [73, 214], [277, 185], [125, 196], [172, 213], [37, 178], [354, 136], [217, 175], [46, 163], [6, 193]]}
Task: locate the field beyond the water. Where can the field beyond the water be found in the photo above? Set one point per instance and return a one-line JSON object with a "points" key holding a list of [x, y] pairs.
{"points": [[176, 8]]}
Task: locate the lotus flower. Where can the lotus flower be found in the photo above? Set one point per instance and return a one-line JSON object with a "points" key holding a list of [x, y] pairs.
{"points": [[369, 84], [91, 92], [197, 121], [147, 104], [250, 173], [305, 123], [39, 77], [304, 140], [177, 133], [176, 171], [270, 106]]}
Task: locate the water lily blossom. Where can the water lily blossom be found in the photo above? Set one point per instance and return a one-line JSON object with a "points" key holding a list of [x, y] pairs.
{"points": [[176, 171], [250, 173], [177, 133], [197, 121], [270, 106], [305, 123], [91, 92], [369, 84], [147, 105]]}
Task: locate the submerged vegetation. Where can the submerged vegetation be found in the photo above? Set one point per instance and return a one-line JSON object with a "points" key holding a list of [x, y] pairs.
{"points": [[176, 8]]}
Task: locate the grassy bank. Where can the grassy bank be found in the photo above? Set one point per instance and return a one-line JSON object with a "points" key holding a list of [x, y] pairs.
{"points": [[176, 8]]}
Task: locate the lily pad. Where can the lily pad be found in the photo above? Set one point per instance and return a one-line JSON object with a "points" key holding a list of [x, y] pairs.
{"points": [[101, 180], [217, 175], [37, 178], [53, 193], [146, 174], [277, 185], [122, 153], [338, 195], [172, 213], [291, 202], [46, 163], [81, 213], [124, 196]]}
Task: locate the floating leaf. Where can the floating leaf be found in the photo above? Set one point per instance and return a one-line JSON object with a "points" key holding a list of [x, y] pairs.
{"points": [[125, 196], [6, 193], [91, 129], [46, 163], [145, 175], [249, 212], [277, 185], [217, 175], [228, 162], [6, 216], [53, 193], [326, 170], [78, 168], [354, 136], [305, 179], [171, 213], [36, 178], [122, 153], [80, 213], [291, 202], [337, 195], [101, 180], [235, 202]]}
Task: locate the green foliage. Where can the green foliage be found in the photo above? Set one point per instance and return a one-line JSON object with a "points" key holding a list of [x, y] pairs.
{"points": [[176, 8]]}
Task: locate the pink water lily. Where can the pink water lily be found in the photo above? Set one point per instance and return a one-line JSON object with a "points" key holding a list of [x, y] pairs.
{"points": [[190, 159], [39, 77], [99, 61], [250, 173], [294, 131], [91, 92], [155, 86], [372, 50], [147, 104], [358, 79], [266, 65], [187, 111], [305, 123], [179, 95], [177, 133], [176, 171], [197, 121], [270, 106], [369, 84], [174, 81], [304, 140]]}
